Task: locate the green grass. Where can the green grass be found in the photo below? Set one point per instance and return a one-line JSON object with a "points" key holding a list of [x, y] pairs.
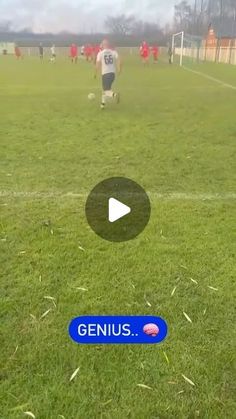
{"points": [[174, 133]]}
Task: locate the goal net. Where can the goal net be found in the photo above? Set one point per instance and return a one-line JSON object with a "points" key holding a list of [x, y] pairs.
{"points": [[187, 49]]}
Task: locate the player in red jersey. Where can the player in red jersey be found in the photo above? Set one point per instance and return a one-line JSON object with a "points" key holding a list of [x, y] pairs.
{"points": [[155, 53], [88, 52], [145, 52], [74, 53], [96, 50], [18, 52]]}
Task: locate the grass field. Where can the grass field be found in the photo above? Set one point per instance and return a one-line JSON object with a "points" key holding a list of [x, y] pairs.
{"points": [[174, 133]]}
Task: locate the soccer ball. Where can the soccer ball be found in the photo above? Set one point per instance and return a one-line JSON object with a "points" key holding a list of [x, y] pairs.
{"points": [[91, 96]]}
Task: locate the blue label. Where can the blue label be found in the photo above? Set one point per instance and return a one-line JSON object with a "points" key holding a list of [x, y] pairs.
{"points": [[118, 330]]}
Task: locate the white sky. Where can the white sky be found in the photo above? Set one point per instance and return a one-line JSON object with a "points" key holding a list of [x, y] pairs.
{"points": [[80, 15]]}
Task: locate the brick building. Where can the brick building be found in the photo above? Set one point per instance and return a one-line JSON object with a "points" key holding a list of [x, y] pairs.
{"points": [[221, 36]]}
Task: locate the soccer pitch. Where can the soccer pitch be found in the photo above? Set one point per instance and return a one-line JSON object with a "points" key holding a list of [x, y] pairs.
{"points": [[173, 133]]}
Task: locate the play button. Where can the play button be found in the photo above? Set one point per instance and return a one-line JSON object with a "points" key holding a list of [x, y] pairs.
{"points": [[118, 209]]}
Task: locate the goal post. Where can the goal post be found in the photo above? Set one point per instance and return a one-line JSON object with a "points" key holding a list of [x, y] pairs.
{"points": [[178, 42], [187, 49]]}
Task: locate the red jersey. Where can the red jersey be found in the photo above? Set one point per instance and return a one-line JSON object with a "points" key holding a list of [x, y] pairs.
{"points": [[74, 51], [17, 52], [88, 50], [155, 51], [144, 50], [96, 50]]}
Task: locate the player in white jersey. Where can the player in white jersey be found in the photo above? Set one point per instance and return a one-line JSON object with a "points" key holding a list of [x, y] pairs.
{"points": [[53, 53], [108, 62]]}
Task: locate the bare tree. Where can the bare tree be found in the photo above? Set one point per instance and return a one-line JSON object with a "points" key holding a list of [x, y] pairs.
{"points": [[183, 16], [196, 16], [120, 25]]}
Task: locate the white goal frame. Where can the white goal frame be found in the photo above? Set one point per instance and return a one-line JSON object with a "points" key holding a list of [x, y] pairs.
{"points": [[179, 34]]}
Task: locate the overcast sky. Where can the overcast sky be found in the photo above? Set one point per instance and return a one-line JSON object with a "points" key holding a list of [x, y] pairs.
{"points": [[79, 15]]}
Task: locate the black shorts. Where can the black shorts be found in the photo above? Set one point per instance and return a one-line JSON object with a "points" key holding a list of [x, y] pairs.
{"points": [[107, 81]]}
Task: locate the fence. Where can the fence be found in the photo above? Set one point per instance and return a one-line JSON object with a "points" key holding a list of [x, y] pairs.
{"points": [[225, 55], [34, 51], [65, 51]]}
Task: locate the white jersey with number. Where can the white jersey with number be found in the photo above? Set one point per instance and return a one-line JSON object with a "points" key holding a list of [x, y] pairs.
{"points": [[108, 59]]}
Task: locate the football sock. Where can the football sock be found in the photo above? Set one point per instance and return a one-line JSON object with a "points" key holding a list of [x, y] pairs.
{"points": [[109, 93], [104, 99]]}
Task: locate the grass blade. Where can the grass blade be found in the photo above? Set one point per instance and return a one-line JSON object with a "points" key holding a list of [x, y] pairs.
{"points": [[74, 374], [188, 380], [194, 281], [213, 288], [30, 414], [45, 314], [166, 357], [144, 386], [187, 317]]}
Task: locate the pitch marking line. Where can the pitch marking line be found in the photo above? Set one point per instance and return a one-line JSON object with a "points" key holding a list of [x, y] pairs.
{"points": [[172, 196], [199, 73]]}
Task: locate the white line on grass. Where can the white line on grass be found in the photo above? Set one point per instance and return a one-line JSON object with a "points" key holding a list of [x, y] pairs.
{"points": [[222, 83], [172, 196]]}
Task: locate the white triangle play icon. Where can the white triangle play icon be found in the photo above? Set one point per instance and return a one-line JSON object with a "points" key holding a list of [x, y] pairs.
{"points": [[117, 210]]}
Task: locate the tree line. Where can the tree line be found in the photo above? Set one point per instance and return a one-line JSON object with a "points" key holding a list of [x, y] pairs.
{"points": [[192, 16], [195, 17]]}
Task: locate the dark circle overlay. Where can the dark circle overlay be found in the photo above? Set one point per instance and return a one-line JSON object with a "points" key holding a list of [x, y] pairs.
{"points": [[129, 193]]}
